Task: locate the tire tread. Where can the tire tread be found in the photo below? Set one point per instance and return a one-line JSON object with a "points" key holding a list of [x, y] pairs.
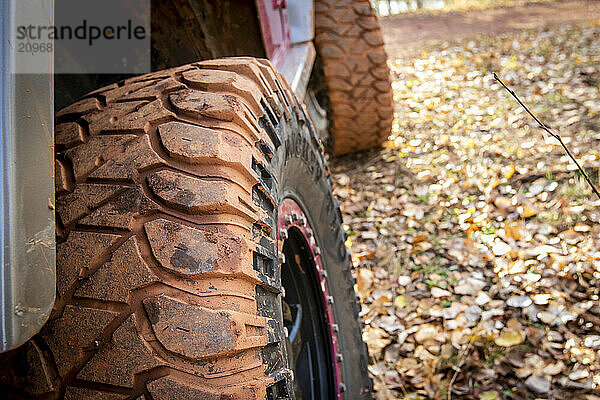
{"points": [[350, 44]]}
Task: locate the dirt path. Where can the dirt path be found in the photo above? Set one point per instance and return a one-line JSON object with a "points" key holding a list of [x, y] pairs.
{"points": [[401, 32]]}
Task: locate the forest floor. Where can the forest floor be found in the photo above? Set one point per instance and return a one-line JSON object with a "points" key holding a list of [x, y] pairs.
{"points": [[475, 241]]}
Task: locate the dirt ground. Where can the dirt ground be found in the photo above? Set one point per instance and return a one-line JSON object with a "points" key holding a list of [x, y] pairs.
{"points": [[401, 32]]}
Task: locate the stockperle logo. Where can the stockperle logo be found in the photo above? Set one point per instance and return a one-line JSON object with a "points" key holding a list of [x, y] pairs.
{"points": [[82, 36]]}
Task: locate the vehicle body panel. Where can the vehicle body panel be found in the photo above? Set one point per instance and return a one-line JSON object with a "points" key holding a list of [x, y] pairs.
{"points": [[273, 16], [288, 30], [27, 272], [301, 20]]}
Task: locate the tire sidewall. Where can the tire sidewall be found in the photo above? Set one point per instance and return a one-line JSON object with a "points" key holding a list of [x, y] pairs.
{"points": [[301, 173]]}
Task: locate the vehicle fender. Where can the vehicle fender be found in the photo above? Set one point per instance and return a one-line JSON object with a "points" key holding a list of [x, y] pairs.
{"points": [[301, 16]]}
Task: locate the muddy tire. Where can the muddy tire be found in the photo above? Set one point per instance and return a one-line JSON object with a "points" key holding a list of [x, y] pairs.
{"points": [[354, 63], [168, 277]]}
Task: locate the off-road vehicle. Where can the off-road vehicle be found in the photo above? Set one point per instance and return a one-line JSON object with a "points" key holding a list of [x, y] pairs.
{"points": [[174, 235]]}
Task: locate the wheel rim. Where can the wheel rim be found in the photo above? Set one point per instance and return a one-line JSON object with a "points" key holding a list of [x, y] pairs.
{"points": [[312, 334]]}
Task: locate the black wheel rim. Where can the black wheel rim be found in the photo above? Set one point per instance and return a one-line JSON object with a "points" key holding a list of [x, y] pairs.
{"points": [[309, 345]]}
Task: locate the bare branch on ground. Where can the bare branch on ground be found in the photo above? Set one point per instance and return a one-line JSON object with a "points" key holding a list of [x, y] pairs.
{"points": [[554, 135]]}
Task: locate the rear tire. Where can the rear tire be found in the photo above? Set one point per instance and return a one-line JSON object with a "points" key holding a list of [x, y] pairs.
{"points": [[359, 94], [168, 279]]}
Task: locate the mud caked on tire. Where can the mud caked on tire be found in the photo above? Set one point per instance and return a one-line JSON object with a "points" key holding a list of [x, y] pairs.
{"points": [[168, 278], [358, 95]]}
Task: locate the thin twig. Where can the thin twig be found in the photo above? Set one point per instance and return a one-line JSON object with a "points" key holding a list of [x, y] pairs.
{"points": [[457, 368], [554, 135]]}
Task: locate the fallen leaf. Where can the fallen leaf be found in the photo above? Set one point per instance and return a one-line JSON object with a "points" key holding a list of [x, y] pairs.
{"points": [[489, 395], [508, 171], [541, 299], [369, 235], [513, 231], [502, 202], [376, 339], [482, 299], [519, 301], [427, 332], [539, 384], [419, 239], [579, 227], [554, 368], [364, 280], [400, 301], [500, 248], [509, 338], [404, 280], [469, 286], [527, 211], [436, 292]]}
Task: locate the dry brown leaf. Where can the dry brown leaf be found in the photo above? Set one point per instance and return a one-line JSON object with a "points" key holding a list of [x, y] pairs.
{"points": [[408, 366], [364, 280], [513, 231], [527, 211], [419, 239], [554, 368], [503, 202], [364, 255], [427, 332], [376, 339]]}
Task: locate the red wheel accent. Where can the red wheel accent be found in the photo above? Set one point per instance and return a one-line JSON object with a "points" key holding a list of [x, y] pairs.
{"points": [[291, 216]]}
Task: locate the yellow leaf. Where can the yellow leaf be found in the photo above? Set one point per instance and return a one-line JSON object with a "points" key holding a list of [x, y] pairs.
{"points": [[458, 125], [381, 301], [457, 61], [494, 183], [489, 395], [509, 338], [512, 62], [508, 171], [400, 301]]}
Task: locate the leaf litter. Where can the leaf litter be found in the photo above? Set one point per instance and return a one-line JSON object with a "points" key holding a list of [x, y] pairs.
{"points": [[475, 242]]}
